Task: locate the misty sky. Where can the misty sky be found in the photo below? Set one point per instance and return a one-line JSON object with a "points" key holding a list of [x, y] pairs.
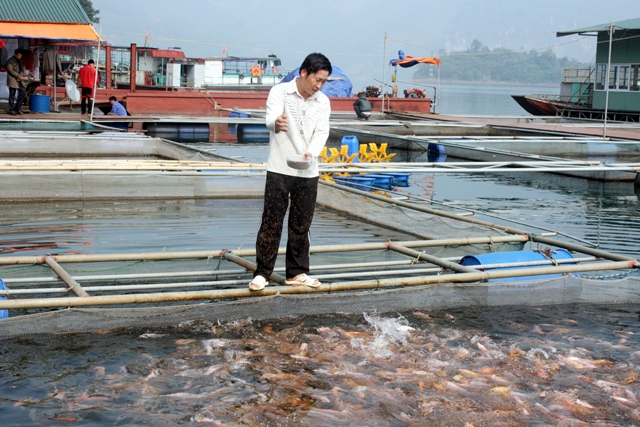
{"points": [[351, 32]]}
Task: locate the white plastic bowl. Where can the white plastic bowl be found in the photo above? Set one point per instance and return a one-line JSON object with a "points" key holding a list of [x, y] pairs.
{"points": [[299, 162]]}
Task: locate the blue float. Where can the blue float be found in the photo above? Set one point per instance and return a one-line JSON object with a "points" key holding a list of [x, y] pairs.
{"points": [[380, 181], [398, 179], [3, 313], [233, 127], [357, 182], [353, 145], [477, 261]]}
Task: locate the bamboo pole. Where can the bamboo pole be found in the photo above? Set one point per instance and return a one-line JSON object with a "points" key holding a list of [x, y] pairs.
{"points": [[216, 253], [209, 272], [160, 167], [410, 269], [326, 267], [333, 287], [589, 251], [432, 259], [414, 198], [75, 286], [323, 267], [95, 83], [251, 266]]}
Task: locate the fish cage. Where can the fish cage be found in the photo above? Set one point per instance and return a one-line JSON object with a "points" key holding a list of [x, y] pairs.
{"points": [[82, 293]]}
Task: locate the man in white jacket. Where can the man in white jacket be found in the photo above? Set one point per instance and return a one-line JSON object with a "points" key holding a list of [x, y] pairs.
{"points": [[298, 118]]}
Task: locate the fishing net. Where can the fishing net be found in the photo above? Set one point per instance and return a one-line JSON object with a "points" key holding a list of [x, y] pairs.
{"points": [[221, 285], [388, 214], [564, 290], [97, 146]]}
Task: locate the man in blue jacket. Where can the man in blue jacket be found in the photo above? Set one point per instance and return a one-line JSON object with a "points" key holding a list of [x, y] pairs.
{"points": [[117, 109]]}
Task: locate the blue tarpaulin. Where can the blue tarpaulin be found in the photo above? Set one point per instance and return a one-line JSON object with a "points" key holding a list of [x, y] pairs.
{"points": [[341, 87]]}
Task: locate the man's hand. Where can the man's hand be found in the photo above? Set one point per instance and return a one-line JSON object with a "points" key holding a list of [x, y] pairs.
{"points": [[281, 124]]}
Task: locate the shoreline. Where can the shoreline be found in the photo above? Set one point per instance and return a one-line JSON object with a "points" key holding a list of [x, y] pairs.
{"points": [[487, 83]]}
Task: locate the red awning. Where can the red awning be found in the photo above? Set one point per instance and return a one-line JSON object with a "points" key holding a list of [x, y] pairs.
{"points": [[48, 31], [167, 53]]}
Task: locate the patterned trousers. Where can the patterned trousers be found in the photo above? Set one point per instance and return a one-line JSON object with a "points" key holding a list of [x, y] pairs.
{"points": [[278, 190]]}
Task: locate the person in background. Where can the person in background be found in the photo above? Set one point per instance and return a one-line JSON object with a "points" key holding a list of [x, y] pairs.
{"points": [[15, 81], [298, 121], [50, 64], [87, 78], [117, 109], [362, 107]]}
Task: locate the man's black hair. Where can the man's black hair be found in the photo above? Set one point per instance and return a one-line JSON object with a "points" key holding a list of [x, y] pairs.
{"points": [[315, 62], [113, 98], [91, 61]]}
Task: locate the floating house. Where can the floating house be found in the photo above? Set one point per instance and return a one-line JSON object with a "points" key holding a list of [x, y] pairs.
{"points": [[612, 86], [36, 26]]}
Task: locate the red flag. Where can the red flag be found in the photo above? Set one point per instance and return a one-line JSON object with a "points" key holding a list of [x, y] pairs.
{"points": [[224, 49]]}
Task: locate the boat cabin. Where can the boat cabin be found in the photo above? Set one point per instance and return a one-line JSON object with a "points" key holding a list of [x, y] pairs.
{"points": [[615, 76], [170, 68], [235, 71]]}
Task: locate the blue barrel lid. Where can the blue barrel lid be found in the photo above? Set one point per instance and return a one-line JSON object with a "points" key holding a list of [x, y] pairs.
{"points": [[349, 138]]}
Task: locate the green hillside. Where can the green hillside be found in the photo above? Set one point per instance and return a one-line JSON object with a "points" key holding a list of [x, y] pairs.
{"points": [[481, 64]]}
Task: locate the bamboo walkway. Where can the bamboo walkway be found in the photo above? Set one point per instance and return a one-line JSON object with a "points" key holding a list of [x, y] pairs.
{"points": [[418, 268]]}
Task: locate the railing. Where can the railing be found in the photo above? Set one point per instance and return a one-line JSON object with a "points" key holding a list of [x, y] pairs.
{"points": [[578, 75]]}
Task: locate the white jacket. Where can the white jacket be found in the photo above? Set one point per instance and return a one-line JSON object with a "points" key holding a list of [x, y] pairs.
{"points": [[308, 123]]}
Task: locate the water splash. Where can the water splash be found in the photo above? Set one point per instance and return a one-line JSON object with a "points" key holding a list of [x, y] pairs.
{"points": [[387, 333]]}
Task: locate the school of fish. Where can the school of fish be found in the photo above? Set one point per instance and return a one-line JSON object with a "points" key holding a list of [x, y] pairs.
{"points": [[411, 369]]}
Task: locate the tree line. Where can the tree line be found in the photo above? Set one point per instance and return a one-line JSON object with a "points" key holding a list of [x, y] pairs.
{"points": [[479, 64], [92, 13]]}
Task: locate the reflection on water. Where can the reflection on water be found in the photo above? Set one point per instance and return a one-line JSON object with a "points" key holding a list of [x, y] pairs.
{"points": [[148, 226], [563, 366]]}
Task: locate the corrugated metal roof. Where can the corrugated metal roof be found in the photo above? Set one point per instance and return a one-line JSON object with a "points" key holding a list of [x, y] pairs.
{"points": [[45, 11], [628, 24]]}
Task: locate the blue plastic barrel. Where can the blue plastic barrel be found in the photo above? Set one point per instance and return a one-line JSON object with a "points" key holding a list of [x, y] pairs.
{"points": [[253, 128], [515, 257], [436, 148], [353, 145], [239, 114], [3, 313], [193, 128], [233, 127], [39, 103]]}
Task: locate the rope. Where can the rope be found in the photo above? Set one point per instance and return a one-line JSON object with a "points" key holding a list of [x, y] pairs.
{"points": [[417, 258]]}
